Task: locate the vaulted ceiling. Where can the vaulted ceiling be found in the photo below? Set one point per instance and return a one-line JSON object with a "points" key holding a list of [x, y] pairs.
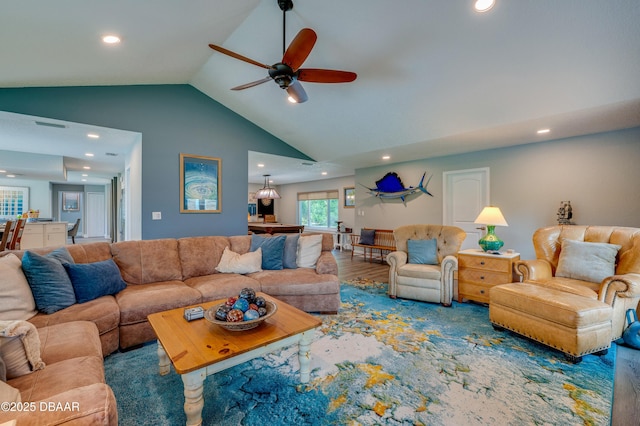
{"points": [[434, 77]]}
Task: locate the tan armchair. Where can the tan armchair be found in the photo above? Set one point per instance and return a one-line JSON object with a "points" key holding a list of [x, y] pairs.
{"points": [[429, 283], [621, 291]]}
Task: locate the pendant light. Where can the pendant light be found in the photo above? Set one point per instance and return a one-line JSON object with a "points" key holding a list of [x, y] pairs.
{"points": [[267, 191]]}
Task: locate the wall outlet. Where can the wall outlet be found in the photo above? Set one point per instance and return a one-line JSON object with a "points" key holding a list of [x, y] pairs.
{"points": [[156, 215]]}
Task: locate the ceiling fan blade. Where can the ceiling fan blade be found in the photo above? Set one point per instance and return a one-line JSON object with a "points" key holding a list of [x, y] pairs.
{"points": [[238, 56], [297, 93], [299, 48], [253, 83], [314, 75]]}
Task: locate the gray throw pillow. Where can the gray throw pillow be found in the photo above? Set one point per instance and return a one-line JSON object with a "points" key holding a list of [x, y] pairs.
{"points": [[586, 261], [367, 236], [290, 251]]}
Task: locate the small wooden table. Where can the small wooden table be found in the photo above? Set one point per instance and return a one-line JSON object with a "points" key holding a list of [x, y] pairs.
{"points": [[199, 348], [272, 228], [479, 271]]}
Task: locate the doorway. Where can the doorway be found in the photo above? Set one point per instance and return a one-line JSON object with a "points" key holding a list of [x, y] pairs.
{"points": [[466, 193]]}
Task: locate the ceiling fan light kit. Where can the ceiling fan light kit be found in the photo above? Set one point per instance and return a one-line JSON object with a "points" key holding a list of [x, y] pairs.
{"points": [[287, 74]]}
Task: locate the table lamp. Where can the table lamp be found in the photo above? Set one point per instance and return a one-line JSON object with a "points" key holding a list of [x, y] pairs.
{"points": [[492, 217]]}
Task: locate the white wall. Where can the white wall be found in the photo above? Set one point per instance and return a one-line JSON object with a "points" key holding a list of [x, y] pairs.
{"points": [[599, 174], [287, 206], [39, 194]]}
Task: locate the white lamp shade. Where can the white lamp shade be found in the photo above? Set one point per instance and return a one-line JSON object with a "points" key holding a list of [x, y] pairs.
{"points": [[491, 216], [267, 193]]}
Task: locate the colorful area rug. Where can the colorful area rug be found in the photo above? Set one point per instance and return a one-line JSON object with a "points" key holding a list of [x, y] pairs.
{"points": [[383, 361]]}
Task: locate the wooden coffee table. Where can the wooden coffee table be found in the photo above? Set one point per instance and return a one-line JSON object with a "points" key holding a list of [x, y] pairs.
{"points": [[199, 348]]}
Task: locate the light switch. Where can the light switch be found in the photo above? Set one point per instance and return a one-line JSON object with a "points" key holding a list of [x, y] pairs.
{"points": [[156, 215]]}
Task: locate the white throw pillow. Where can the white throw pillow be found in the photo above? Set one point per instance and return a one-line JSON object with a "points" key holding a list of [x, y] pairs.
{"points": [[232, 262], [16, 299], [309, 250], [586, 261], [8, 393]]}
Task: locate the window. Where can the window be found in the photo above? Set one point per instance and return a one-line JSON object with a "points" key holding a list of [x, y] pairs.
{"points": [[318, 209]]}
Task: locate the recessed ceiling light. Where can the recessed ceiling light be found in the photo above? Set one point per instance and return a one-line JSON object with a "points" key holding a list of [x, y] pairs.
{"points": [[111, 39], [11, 176], [88, 154], [87, 168], [386, 157], [260, 165], [93, 135], [542, 131], [324, 173], [84, 175], [3, 171], [483, 5]]}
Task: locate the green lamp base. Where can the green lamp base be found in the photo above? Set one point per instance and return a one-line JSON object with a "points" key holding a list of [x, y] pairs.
{"points": [[491, 242]]}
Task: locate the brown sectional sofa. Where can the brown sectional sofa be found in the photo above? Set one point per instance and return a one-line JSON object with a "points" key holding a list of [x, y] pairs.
{"points": [[160, 274], [169, 273]]}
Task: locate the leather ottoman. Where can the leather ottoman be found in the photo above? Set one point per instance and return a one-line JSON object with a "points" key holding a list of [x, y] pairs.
{"points": [[575, 325]]}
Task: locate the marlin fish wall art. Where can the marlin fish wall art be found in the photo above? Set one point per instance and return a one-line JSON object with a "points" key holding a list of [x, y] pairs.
{"points": [[391, 187]]}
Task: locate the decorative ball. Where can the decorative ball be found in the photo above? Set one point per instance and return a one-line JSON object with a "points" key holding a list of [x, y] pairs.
{"points": [[260, 302], [248, 293], [230, 301], [222, 311], [253, 306], [241, 304], [262, 311], [235, 315], [251, 315]]}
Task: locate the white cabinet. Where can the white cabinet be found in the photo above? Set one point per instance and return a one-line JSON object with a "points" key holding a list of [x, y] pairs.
{"points": [[43, 234]]}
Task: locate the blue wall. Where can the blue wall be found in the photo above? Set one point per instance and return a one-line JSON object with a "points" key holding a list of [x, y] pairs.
{"points": [[172, 119]]}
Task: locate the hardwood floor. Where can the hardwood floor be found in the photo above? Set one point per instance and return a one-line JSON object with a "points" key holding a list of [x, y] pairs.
{"points": [[626, 393]]}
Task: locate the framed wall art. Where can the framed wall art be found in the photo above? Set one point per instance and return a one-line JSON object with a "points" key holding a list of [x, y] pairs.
{"points": [[14, 200], [200, 184], [70, 201], [349, 197]]}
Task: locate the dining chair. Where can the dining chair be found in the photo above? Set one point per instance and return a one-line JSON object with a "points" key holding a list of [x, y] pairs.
{"points": [[5, 235], [73, 231], [16, 236]]}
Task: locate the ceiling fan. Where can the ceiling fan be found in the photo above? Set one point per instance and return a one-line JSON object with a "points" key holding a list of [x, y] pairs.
{"points": [[287, 73]]}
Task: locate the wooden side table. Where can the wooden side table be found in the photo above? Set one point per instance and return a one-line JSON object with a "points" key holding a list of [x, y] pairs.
{"points": [[479, 271]]}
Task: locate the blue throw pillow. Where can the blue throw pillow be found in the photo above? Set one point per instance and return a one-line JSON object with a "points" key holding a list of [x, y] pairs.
{"points": [[51, 287], [290, 251], [367, 236], [93, 280], [272, 250], [423, 252]]}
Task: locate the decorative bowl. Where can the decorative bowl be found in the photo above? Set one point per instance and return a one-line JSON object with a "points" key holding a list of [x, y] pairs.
{"points": [[210, 315]]}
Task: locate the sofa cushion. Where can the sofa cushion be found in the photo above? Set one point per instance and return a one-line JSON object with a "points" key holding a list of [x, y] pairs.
{"points": [[51, 287], [309, 250], [587, 261], [16, 299], [93, 280], [19, 348], [367, 236], [423, 252], [138, 301], [60, 377], [290, 251], [147, 261], [301, 281], [235, 263], [427, 272], [199, 256], [70, 340], [272, 250], [221, 286]]}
